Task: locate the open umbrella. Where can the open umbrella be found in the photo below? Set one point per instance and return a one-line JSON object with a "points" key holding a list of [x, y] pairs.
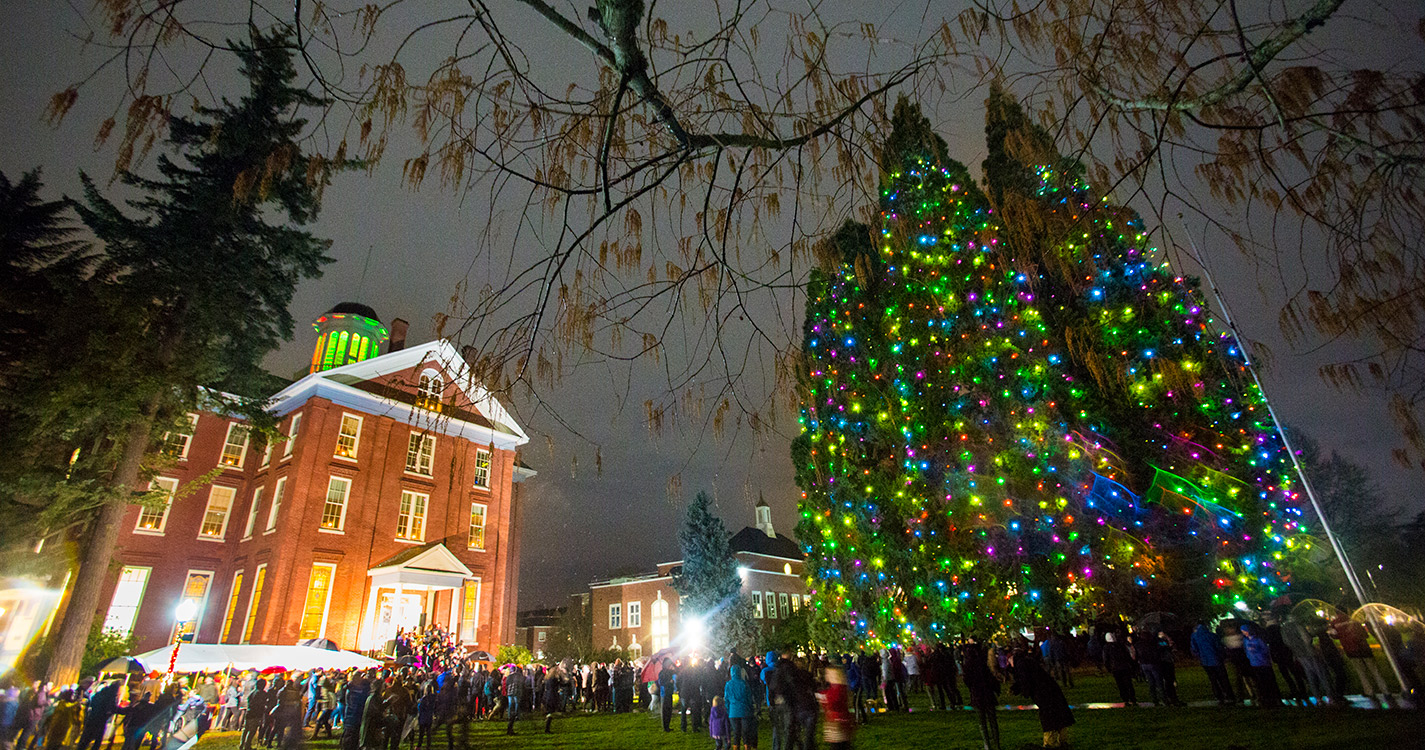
{"points": [[325, 643], [274, 669], [1155, 621], [122, 665], [655, 664]]}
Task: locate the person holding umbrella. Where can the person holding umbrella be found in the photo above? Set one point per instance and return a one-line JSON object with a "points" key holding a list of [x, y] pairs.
{"points": [[667, 681]]}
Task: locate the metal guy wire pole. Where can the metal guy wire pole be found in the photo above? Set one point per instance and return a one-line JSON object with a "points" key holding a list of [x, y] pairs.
{"points": [[1336, 547]]}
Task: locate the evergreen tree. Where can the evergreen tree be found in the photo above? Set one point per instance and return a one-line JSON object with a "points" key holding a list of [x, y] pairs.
{"points": [[201, 266], [1011, 413], [708, 580], [40, 259]]}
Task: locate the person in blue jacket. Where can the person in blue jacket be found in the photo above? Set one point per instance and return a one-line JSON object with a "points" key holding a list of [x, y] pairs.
{"points": [[741, 709], [1259, 655], [1207, 647]]}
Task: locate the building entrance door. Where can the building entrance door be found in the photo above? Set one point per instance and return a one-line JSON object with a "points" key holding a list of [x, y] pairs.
{"points": [[398, 614]]}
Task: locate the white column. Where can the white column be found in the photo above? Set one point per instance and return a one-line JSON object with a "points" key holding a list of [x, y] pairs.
{"points": [[455, 612], [398, 611], [368, 626]]}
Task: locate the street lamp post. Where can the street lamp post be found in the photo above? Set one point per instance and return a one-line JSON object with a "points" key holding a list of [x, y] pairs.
{"points": [[187, 610]]}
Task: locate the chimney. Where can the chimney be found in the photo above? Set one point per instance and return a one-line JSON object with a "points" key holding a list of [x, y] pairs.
{"points": [[398, 335]]}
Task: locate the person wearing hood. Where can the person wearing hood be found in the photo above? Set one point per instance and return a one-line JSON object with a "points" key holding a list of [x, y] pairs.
{"points": [[351, 710], [741, 709], [1259, 656]]}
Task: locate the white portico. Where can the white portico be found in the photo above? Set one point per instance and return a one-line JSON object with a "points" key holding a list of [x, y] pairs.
{"points": [[401, 594]]}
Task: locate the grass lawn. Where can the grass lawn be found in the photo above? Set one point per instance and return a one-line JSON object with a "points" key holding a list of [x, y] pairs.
{"points": [[1147, 728]]}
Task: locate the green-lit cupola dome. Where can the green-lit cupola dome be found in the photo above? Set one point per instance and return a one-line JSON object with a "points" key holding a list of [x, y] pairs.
{"points": [[347, 333]]}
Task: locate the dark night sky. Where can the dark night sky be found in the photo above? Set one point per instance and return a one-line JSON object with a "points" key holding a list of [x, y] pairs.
{"points": [[402, 252]]}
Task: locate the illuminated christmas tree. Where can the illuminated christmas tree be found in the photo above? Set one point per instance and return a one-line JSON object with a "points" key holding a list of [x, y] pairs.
{"points": [[1013, 412]]}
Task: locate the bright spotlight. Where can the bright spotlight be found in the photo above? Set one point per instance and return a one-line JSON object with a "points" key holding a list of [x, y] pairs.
{"points": [[695, 633]]}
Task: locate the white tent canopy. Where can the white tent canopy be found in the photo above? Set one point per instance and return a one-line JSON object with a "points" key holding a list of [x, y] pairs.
{"points": [[213, 657]]}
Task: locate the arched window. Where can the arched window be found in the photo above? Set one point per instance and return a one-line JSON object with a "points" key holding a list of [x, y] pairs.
{"points": [[341, 341], [429, 390], [317, 353], [659, 631], [329, 353]]}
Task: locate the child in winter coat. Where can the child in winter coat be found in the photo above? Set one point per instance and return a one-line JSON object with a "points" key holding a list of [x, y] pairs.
{"points": [[717, 724]]}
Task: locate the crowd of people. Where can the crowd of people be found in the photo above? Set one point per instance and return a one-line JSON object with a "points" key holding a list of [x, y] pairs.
{"points": [[432, 688]]}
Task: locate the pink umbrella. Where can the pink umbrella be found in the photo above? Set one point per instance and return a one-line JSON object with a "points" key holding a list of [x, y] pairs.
{"points": [[655, 664]]}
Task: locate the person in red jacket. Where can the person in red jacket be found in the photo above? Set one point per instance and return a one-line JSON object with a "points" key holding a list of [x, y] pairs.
{"points": [[838, 723]]}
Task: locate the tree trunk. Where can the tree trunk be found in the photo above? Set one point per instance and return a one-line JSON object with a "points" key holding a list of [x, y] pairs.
{"points": [[98, 550]]}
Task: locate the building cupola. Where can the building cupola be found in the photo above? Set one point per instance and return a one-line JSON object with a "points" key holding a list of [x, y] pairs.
{"points": [[764, 516], [347, 333]]}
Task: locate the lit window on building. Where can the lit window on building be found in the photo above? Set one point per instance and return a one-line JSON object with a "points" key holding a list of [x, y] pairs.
{"points": [[250, 624], [177, 442], [429, 391], [195, 590], [420, 453], [477, 525], [469, 611], [232, 607], [152, 518], [796, 603], [128, 595], [349, 438], [771, 599], [215, 517], [235, 447], [757, 604], [411, 522], [659, 630], [334, 510], [784, 606], [314, 613], [482, 468]]}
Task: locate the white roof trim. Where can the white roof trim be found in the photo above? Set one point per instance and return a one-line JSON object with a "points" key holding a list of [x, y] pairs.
{"points": [[507, 434], [628, 581], [437, 559]]}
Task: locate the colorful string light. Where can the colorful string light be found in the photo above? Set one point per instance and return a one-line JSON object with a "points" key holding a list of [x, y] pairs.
{"points": [[997, 435]]}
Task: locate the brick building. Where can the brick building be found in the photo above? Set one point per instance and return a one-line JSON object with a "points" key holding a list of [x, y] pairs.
{"points": [[641, 613], [390, 502], [533, 628]]}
